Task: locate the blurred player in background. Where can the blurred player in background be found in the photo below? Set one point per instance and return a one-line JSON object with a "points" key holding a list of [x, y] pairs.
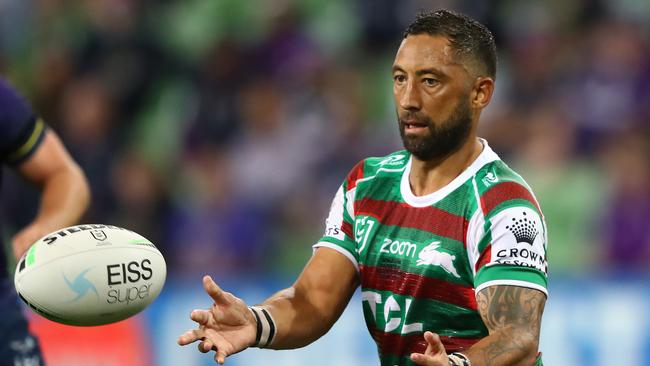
{"points": [[447, 242], [37, 155]]}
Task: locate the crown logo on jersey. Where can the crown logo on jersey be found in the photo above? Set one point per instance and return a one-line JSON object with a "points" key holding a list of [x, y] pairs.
{"points": [[523, 229]]}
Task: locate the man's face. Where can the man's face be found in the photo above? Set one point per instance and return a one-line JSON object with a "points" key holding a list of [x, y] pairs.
{"points": [[432, 92]]}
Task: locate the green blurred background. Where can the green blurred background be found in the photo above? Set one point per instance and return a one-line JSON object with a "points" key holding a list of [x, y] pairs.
{"points": [[221, 129]]}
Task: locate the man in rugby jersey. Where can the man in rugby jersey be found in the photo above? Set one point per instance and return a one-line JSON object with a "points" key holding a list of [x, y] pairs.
{"points": [[447, 243], [37, 155]]}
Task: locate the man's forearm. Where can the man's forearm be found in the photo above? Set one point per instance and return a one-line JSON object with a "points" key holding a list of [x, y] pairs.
{"points": [[309, 308], [298, 321], [505, 347], [513, 315], [64, 199], [64, 189]]}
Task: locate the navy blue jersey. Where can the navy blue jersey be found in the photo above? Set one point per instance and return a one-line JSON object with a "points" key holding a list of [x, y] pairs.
{"points": [[21, 133]]}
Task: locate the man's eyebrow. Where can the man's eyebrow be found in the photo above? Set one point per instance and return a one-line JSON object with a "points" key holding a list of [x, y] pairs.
{"points": [[430, 70], [433, 71]]}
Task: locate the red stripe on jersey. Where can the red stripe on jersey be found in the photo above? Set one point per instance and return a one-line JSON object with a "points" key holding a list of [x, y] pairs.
{"points": [[404, 345], [430, 219], [504, 192], [484, 258], [410, 284], [346, 227], [355, 174]]}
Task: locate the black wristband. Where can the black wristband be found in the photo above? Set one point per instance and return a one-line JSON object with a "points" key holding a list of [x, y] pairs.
{"points": [[266, 328], [458, 359]]}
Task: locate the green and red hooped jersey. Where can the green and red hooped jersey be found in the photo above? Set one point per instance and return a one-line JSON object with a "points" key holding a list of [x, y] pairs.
{"points": [[422, 259]]}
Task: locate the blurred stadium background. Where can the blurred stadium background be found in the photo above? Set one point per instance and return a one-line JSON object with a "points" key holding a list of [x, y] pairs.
{"points": [[220, 130]]}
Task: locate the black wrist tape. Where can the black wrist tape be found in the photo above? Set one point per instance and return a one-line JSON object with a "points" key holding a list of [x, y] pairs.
{"points": [[266, 328], [458, 359]]}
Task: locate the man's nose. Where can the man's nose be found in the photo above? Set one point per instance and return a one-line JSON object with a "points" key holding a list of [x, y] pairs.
{"points": [[410, 98]]}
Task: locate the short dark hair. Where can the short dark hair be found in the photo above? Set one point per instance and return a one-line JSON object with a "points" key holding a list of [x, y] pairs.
{"points": [[469, 38]]}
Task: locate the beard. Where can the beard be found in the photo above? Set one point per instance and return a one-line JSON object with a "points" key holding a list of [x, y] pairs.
{"points": [[443, 139]]}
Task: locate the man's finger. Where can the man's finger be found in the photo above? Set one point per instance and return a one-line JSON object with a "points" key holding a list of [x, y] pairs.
{"points": [[215, 292], [421, 359], [430, 350], [200, 316], [219, 344], [434, 344], [220, 356], [434, 350], [205, 346], [191, 336]]}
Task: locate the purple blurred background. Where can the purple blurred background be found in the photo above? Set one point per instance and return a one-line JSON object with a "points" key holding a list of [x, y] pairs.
{"points": [[221, 129]]}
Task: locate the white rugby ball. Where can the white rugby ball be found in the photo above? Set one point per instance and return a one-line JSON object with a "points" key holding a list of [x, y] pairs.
{"points": [[90, 275]]}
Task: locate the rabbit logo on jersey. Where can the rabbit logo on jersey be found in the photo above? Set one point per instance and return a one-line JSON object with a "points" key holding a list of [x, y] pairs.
{"points": [[431, 255]]}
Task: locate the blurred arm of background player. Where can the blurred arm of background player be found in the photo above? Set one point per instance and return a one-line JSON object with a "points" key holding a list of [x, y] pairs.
{"points": [[302, 313], [64, 191]]}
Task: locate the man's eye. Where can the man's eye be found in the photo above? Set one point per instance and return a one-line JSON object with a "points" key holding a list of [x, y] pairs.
{"points": [[430, 81], [399, 78]]}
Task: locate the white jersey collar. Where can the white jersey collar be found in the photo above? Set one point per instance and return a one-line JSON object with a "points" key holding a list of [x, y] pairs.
{"points": [[487, 156]]}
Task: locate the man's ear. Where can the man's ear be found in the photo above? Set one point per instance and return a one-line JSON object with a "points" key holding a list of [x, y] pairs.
{"points": [[482, 92]]}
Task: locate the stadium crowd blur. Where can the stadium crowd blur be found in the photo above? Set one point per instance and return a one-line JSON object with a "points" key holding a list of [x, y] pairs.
{"points": [[221, 129]]}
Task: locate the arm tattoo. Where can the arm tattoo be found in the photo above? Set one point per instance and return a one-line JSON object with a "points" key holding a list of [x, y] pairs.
{"points": [[513, 316]]}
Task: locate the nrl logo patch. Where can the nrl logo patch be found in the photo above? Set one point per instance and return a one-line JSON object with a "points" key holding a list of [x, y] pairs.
{"points": [[98, 235]]}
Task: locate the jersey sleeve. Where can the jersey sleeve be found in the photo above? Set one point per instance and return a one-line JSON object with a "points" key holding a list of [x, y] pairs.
{"points": [[22, 131], [510, 240], [339, 225]]}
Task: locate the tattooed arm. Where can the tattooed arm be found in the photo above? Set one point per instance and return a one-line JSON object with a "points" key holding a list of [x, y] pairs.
{"points": [[513, 316]]}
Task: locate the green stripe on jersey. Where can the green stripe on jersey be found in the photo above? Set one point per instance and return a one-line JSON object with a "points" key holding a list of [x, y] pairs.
{"points": [[348, 246], [510, 273], [517, 202], [383, 188], [374, 167], [457, 202]]}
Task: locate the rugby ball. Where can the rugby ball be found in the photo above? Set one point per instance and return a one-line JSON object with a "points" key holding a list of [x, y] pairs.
{"points": [[90, 275]]}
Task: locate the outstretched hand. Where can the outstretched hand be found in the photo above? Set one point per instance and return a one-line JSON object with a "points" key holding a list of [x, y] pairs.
{"points": [[435, 354], [227, 327]]}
